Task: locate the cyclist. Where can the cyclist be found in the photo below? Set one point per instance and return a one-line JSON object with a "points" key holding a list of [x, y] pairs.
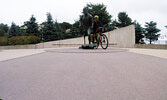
{"points": [[96, 25]]}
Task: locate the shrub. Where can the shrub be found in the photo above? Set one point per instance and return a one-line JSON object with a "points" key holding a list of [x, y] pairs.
{"points": [[19, 40], [12, 40], [33, 39], [3, 41]]}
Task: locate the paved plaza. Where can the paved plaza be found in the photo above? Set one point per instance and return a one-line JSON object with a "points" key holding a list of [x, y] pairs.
{"points": [[76, 74]]}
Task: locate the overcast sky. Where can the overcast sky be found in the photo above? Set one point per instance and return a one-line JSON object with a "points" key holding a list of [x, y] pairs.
{"points": [[143, 11]]}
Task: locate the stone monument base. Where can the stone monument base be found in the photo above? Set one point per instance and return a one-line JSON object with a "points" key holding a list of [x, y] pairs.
{"points": [[88, 46]]}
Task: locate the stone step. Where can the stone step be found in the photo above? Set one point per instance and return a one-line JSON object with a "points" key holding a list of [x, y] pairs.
{"points": [[73, 45]]}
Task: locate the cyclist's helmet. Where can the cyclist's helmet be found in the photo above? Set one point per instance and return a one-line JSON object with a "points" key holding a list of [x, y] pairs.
{"points": [[96, 17]]}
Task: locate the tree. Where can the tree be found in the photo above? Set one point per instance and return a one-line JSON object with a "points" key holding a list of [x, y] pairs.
{"points": [[32, 26], [23, 31], [49, 30], [151, 31], [111, 26], [14, 30], [2, 32], [139, 33], [58, 30], [101, 11], [65, 25], [123, 20], [4, 27], [166, 26], [75, 30]]}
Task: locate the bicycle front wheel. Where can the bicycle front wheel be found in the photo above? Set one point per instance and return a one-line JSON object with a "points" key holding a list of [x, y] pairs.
{"points": [[104, 41]]}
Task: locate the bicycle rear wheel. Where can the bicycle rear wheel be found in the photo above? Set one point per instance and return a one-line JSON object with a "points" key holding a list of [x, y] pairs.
{"points": [[104, 41]]}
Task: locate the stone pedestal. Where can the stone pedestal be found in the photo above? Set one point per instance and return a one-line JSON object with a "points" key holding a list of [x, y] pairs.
{"points": [[88, 46]]}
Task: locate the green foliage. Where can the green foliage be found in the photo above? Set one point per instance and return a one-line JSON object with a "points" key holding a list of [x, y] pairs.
{"points": [[32, 26], [19, 40], [2, 32], [4, 27], [16, 40], [50, 29], [151, 31], [14, 30], [139, 33], [76, 30], [6, 35], [123, 20], [101, 11], [3, 41], [23, 32], [65, 25], [111, 26], [33, 39]]}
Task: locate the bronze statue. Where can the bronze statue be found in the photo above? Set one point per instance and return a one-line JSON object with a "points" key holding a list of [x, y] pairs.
{"points": [[86, 22]]}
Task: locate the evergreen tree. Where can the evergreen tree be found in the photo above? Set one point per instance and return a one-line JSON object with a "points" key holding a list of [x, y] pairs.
{"points": [[123, 20], [32, 26], [2, 32], [4, 27], [14, 30], [58, 31], [151, 31], [139, 33], [49, 30], [76, 29]]}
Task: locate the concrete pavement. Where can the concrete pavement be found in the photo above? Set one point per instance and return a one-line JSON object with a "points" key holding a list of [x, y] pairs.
{"points": [[16, 53], [73, 74], [151, 52]]}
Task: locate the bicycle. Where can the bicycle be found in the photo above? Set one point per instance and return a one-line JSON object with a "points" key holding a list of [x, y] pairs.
{"points": [[101, 39]]}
